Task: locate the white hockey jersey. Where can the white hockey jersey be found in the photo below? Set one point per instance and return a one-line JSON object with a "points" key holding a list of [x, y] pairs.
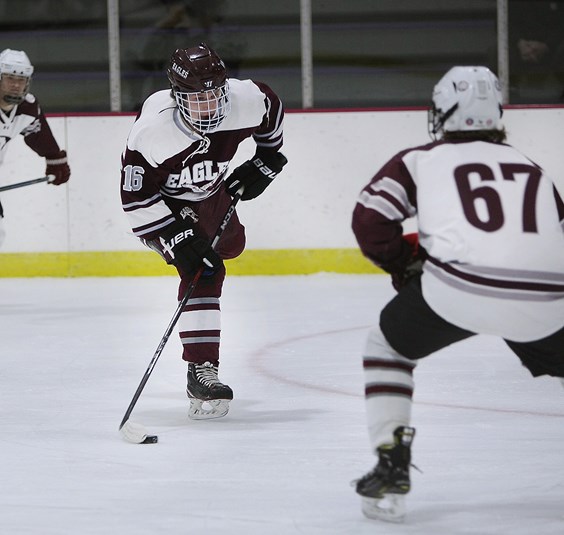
{"points": [[491, 223], [28, 120], [166, 161]]}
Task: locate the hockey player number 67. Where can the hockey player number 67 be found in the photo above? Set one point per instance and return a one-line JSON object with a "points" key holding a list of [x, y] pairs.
{"points": [[490, 196]]}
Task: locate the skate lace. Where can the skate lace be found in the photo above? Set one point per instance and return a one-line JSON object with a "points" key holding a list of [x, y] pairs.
{"points": [[207, 374], [380, 469]]}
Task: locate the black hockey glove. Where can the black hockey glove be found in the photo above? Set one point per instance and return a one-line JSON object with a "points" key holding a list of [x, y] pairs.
{"points": [[58, 167], [256, 174], [181, 246], [409, 264]]}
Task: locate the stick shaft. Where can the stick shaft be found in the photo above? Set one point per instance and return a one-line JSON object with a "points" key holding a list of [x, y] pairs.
{"points": [[25, 183]]}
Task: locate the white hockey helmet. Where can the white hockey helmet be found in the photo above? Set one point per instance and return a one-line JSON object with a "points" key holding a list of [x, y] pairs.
{"points": [[466, 98], [16, 63]]}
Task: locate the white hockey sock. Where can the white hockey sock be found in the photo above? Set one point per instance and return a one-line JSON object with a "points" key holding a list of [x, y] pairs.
{"points": [[199, 327], [389, 386]]}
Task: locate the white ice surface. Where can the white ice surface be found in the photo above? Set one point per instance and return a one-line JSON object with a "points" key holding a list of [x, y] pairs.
{"points": [[490, 439]]}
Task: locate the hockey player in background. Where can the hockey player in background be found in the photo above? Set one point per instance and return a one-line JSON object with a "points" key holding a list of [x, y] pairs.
{"points": [[20, 114], [490, 260], [175, 191]]}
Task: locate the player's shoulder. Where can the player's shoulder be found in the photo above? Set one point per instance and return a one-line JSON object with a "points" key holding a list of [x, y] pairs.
{"points": [[248, 105], [423, 148], [159, 100], [156, 106], [442, 146], [30, 98], [158, 132], [156, 111], [244, 87], [29, 106]]}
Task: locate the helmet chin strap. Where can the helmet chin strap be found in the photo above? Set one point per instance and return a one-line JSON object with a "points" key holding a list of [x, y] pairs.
{"points": [[447, 114], [442, 119], [16, 99], [11, 99]]}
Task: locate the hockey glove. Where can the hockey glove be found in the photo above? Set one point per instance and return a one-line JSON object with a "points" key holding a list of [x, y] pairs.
{"points": [[409, 264], [58, 167], [181, 246], [256, 174]]}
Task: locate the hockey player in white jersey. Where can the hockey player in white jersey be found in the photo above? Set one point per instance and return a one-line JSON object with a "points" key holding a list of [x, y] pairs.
{"points": [[20, 114], [490, 260], [175, 191]]}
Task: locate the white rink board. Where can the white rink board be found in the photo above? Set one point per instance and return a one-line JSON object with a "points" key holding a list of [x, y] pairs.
{"points": [[332, 155]]}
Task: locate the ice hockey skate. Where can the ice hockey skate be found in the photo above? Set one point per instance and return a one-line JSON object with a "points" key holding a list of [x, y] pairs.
{"points": [[384, 488], [209, 397]]}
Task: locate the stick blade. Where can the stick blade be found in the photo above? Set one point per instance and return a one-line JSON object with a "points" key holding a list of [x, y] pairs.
{"points": [[137, 434]]}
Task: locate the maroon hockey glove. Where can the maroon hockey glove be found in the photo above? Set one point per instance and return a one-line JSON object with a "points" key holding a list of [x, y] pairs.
{"points": [[57, 165], [181, 246], [256, 174], [409, 264]]}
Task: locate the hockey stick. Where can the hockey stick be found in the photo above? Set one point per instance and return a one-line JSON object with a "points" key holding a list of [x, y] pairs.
{"points": [[136, 433], [27, 183]]}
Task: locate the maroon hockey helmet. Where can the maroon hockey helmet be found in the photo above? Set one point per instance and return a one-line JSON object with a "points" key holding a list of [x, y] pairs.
{"points": [[196, 69]]}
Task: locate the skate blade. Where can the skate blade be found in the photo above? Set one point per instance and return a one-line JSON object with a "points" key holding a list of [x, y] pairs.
{"points": [[390, 508], [207, 410]]}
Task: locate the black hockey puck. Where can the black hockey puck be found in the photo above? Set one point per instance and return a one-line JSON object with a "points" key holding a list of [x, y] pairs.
{"points": [[151, 439]]}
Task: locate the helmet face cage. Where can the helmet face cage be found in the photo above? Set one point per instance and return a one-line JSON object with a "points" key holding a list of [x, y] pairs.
{"points": [[198, 79], [466, 98], [205, 110]]}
